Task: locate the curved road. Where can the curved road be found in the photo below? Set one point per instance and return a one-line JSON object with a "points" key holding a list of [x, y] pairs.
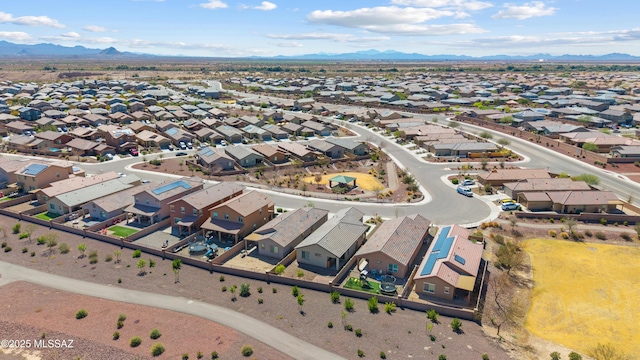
{"points": [[256, 329]]}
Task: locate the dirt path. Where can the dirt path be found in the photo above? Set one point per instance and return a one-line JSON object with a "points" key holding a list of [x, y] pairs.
{"points": [[393, 180]]}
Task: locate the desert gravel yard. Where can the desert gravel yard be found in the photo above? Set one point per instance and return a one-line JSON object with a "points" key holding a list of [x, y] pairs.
{"points": [[402, 334]]}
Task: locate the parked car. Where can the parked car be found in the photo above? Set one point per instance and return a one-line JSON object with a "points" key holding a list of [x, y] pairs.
{"points": [[190, 145], [109, 156], [468, 182], [510, 206], [181, 153], [464, 191], [170, 147], [133, 152], [506, 201], [183, 146], [223, 143]]}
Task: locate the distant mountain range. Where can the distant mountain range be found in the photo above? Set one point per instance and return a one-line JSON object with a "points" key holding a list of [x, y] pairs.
{"points": [[8, 49]]}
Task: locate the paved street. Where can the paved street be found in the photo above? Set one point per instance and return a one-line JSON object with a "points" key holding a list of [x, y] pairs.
{"points": [[256, 329]]}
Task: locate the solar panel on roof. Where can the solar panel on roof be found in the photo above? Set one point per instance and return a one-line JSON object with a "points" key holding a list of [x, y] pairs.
{"points": [[207, 152], [34, 169], [163, 189], [440, 251]]}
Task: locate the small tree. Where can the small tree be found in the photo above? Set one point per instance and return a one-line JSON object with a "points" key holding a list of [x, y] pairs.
{"points": [[176, 264], [279, 269], [504, 142], [300, 299], [232, 289], [456, 325], [29, 229], [318, 179], [136, 253], [555, 355], [343, 316], [574, 356], [117, 254], [52, 241], [335, 297], [432, 315], [295, 291], [141, 265], [82, 248], [372, 304], [389, 307], [244, 290], [348, 304]]}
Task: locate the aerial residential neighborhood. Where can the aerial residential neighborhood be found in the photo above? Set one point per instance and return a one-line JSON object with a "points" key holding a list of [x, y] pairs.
{"points": [[275, 191]]}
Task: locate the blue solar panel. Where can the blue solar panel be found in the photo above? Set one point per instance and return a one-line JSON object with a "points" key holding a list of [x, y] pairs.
{"points": [[171, 131], [440, 251], [459, 259], [207, 152], [34, 169], [163, 189]]}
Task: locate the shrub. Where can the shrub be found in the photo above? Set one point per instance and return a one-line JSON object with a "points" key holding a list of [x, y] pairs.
{"points": [[93, 260], [574, 356], [120, 324], [185, 356], [108, 258], [360, 353], [64, 248], [119, 280], [259, 289], [221, 278], [456, 325], [279, 269], [274, 290], [358, 332], [16, 228], [7, 249], [116, 335], [122, 317], [389, 307], [625, 237], [224, 289], [330, 325], [455, 181], [499, 239], [157, 349], [555, 355], [33, 253], [603, 221], [260, 301], [299, 273], [4, 244], [135, 341], [23, 236], [348, 304], [485, 357], [335, 297], [155, 334], [25, 250], [372, 304], [383, 355], [93, 254], [41, 240], [137, 253], [349, 328], [552, 233], [600, 236], [564, 235], [244, 290], [432, 315], [246, 350], [81, 314], [442, 357], [295, 291], [214, 355], [588, 233]]}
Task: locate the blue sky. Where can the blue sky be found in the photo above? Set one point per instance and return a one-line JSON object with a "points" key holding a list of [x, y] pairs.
{"points": [[289, 27]]}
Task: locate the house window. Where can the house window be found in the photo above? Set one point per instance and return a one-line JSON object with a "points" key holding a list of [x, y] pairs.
{"points": [[430, 288], [147, 201], [195, 212], [215, 215], [318, 254], [240, 219], [182, 209], [392, 268], [137, 200], [254, 225], [177, 220], [446, 289], [52, 206], [305, 255], [274, 249], [226, 216], [102, 214], [57, 174], [275, 158], [171, 208]]}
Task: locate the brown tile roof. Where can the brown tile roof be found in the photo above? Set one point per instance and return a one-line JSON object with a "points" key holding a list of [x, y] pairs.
{"points": [[75, 183], [551, 184], [515, 174], [209, 196], [247, 203], [288, 226], [266, 149]]}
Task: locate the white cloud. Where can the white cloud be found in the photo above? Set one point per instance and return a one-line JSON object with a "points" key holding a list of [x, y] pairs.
{"points": [[76, 38], [326, 36], [525, 11], [15, 36], [214, 4], [94, 28], [395, 20], [30, 20], [454, 4], [265, 6], [288, 44], [71, 34]]}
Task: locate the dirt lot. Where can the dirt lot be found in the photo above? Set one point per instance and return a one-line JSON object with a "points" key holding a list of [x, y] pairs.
{"points": [[400, 335], [586, 298], [31, 310]]}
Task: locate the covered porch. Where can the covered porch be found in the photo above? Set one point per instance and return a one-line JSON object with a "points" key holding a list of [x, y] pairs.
{"points": [[224, 229], [144, 214]]}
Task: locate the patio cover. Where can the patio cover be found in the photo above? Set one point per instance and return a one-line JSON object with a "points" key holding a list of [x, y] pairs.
{"points": [[224, 226], [144, 210], [466, 282], [187, 221]]}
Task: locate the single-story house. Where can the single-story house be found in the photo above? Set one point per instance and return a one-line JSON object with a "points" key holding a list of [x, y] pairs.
{"points": [[271, 153], [215, 160], [244, 155]]}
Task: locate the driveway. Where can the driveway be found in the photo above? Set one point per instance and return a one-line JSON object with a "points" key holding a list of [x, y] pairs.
{"points": [[258, 330]]}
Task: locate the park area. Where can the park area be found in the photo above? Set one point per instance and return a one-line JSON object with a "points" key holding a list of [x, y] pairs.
{"points": [[364, 181], [585, 294]]}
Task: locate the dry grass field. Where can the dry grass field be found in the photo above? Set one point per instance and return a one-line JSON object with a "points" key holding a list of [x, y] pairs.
{"points": [[585, 294], [364, 181]]}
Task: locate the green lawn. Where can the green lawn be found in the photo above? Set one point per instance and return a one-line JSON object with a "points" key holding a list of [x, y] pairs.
{"points": [[356, 284], [122, 231], [47, 216]]}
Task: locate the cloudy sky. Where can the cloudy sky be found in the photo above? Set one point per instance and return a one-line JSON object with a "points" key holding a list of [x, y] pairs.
{"points": [[289, 27]]}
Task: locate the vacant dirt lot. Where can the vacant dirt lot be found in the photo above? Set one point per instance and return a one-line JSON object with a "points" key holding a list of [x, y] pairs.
{"points": [[584, 294]]}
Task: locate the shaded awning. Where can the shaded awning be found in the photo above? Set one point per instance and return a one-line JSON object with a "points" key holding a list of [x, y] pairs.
{"points": [[342, 179], [466, 282], [187, 221], [224, 226], [254, 237], [144, 210]]}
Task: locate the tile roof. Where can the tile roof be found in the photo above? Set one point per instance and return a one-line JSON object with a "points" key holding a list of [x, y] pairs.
{"points": [[285, 228], [339, 233], [211, 195], [247, 203]]}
